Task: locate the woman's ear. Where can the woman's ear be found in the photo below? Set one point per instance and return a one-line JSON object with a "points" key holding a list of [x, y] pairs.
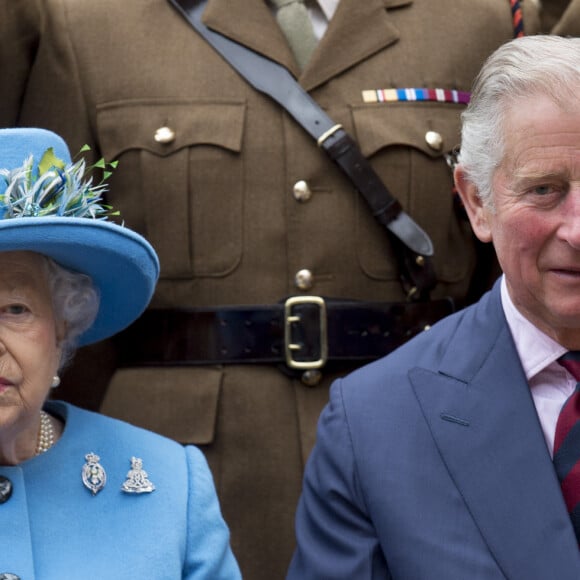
{"points": [[477, 213], [61, 333], [61, 329]]}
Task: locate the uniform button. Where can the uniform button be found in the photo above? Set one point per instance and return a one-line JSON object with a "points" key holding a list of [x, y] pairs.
{"points": [[164, 135], [311, 378], [434, 140], [304, 279], [9, 576], [301, 191], [5, 489]]}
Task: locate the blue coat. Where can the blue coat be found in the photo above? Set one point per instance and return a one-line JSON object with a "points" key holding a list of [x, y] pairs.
{"points": [[431, 464], [54, 528]]}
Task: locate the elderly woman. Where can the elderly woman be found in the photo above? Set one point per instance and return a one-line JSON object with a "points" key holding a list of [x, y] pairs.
{"points": [[83, 495]]}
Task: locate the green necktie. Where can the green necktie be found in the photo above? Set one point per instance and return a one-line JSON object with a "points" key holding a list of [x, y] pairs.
{"points": [[293, 19]]}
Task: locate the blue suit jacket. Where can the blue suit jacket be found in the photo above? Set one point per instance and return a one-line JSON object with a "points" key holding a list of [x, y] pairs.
{"points": [[431, 463], [54, 528]]}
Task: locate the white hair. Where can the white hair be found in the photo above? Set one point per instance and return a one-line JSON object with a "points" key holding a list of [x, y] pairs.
{"points": [[75, 301], [524, 67]]}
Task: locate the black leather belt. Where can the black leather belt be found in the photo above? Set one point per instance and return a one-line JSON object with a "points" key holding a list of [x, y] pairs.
{"points": [[304, 332]]}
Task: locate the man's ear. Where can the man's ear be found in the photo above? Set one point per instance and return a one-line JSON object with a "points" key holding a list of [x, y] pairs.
{"points": [[477, 213]]}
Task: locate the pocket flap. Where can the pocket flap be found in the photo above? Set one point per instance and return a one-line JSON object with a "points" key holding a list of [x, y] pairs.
{"points": [[126, 125], [407, 124]]}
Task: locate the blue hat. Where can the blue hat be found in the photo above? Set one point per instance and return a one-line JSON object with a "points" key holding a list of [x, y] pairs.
{"points": [[48, 205]]}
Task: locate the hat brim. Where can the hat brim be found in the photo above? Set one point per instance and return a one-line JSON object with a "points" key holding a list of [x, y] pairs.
{"points": [[122, 264]]}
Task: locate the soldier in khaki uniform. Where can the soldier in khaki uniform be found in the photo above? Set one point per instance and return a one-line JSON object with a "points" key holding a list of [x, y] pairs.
{"points": [[244, 208]]}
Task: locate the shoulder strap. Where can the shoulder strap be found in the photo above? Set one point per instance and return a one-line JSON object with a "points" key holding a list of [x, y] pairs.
{"points": [[412, 245]]}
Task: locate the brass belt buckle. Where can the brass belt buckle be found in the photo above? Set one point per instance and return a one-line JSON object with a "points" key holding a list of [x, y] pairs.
{"points": [[291, 319]]}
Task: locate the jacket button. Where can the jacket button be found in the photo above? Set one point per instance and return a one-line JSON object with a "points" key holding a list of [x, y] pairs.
{"points": [[304, 280], [9, 576], [301, 191], [5, 490], [164, 135], [434, 140], [311, 377]]}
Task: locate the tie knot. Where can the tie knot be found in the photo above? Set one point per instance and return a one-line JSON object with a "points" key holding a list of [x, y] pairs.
{"points": [[571, 362]]}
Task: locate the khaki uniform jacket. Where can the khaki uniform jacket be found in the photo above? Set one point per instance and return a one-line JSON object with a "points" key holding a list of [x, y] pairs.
{"points": [[217, 200], [20, 24], [568, 23]]}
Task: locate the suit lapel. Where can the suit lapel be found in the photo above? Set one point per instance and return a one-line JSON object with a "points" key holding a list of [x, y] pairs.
{"points": [[483, 420]]}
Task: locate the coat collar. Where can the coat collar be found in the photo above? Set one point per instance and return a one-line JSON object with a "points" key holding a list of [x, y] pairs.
{"points": [[484, 423], [251, 23]]}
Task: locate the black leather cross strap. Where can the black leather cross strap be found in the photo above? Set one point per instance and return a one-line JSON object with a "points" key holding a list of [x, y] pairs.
{"points": [[413, 247], [303, 332]]}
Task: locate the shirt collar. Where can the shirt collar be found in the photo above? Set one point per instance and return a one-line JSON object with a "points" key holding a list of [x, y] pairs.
{"points": [[328, 7], [535, 348]]}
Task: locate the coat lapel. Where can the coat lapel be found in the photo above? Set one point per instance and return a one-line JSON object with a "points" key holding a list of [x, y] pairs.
{"points": [[252, 24], [483, 420], [357, 31]]}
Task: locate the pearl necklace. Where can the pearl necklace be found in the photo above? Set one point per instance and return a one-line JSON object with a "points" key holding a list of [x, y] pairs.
{"points": [[45, 434]]}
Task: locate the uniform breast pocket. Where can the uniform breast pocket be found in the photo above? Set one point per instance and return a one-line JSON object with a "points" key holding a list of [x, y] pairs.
{"points": [[179, 180], [406, 143]]}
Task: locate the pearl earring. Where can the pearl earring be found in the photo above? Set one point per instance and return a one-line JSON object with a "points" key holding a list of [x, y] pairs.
{"points": [[55, 382]]}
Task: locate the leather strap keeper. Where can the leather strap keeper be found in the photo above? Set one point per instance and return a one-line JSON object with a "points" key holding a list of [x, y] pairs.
{"points": [[303, 332]]}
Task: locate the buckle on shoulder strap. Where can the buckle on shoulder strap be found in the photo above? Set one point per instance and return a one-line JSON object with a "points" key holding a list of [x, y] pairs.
{"points": [[327, 134], [305, 332]]}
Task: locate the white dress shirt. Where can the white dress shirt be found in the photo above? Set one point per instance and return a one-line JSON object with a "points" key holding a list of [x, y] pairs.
{"points": [[320, 12], [550, 383]]}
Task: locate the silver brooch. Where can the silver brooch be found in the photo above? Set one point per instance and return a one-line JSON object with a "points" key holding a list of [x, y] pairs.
{"points": [[137, 479], [94, 476]]}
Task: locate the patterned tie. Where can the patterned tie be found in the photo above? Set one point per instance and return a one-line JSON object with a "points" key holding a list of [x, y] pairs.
{"points": [[293, 19], [567, 443]]}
